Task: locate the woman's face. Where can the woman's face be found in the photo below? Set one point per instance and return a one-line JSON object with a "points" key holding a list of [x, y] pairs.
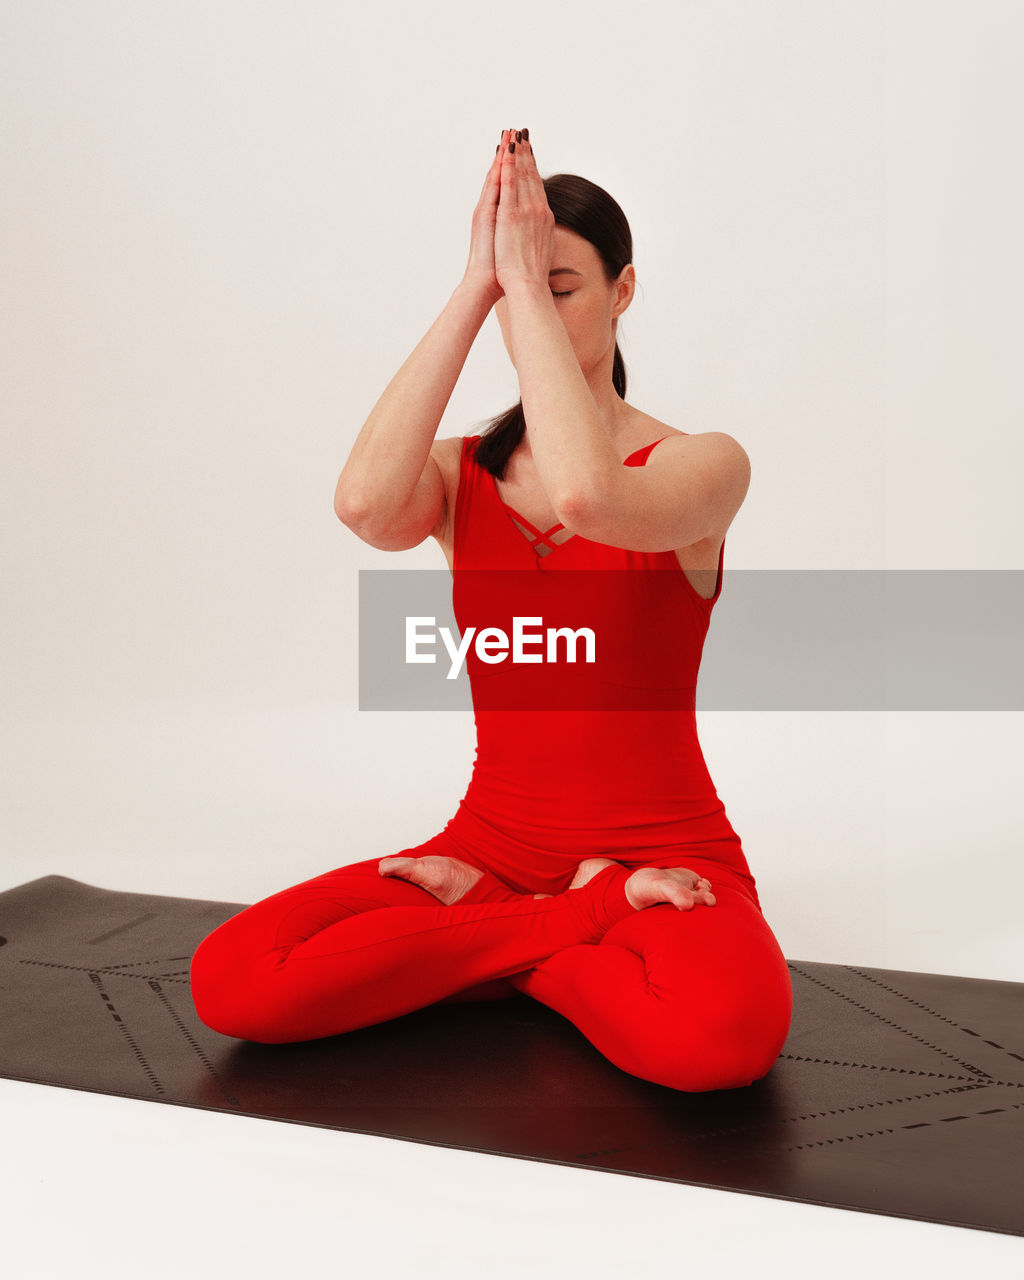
{"points": [[586, 303]]}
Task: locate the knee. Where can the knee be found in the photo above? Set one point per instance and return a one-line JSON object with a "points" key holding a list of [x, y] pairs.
{"points": [[726, 1048], [222, 992], [210, 989]]}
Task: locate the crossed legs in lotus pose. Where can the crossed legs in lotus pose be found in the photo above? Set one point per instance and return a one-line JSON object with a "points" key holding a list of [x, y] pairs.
{"points": [[672, 981]]}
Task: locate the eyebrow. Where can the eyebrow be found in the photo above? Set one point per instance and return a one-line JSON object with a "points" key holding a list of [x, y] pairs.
{"points": [[564, 271]]}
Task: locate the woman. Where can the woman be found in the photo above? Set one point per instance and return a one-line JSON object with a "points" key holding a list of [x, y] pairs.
{"points": [[579, 866]]}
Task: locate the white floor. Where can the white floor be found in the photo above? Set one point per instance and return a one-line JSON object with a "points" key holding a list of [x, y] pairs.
{"points": [[95, 1186]]}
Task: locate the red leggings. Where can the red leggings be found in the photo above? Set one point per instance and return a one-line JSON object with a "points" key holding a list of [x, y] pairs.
{"points": [[694, 1000]]}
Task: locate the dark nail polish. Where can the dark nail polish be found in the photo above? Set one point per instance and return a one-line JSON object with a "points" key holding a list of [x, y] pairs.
{"points": [[526, 135], [497, 148], [511, 146], [519, 135]]}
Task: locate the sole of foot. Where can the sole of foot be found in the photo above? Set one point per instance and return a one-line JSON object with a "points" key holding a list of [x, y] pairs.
{"points": [[448, 879]]}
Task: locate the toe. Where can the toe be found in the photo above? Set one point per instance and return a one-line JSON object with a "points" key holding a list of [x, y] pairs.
{"points": [[394, 866], [679, 897]]}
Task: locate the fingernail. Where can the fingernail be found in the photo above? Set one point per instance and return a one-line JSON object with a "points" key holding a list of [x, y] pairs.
{"points": [[511, 146], [497, 148], [526, 135], [519, 135]]}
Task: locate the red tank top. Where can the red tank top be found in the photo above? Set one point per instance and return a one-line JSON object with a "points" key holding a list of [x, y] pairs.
{"points": [[570, 764]]}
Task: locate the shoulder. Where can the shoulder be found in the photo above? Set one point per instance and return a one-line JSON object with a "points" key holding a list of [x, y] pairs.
{"points": [[712, 464], [710, 468], [717, 449]]}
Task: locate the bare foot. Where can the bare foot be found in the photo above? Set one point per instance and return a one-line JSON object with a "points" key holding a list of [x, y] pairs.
{"points": [[648, 886], [589, 868], [448, 879]]}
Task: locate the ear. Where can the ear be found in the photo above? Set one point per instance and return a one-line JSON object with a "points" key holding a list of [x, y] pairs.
{"points": [[625, 287]]}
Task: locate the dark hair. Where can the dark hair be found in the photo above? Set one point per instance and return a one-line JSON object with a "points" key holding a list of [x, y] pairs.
{"points": [[591, 212]]}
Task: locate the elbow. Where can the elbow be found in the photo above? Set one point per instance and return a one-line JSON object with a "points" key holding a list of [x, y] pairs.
{"points": [[350, 508], [576, 509]]}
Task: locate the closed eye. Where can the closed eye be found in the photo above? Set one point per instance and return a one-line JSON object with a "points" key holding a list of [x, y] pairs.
{"points": [[561, 295]]}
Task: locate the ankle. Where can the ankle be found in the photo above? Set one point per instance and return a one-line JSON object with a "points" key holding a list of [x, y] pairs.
{"points": [[487, 889], [603, 899]]}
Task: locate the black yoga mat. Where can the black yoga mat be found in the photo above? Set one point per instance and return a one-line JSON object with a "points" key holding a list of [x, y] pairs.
{"points": [[896, 1093]]}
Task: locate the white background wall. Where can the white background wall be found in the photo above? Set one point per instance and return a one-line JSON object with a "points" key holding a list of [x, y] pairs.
{"points": [[225, 227], [226, 224]]}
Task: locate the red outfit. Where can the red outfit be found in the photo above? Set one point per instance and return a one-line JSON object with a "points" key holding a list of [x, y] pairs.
{"points": [[572, 762]]}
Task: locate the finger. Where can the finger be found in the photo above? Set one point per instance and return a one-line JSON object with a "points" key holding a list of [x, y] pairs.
{"points": [[529, 175], [489, 192], [525, 169], [509, 193], [493, 178], [509, 196]]}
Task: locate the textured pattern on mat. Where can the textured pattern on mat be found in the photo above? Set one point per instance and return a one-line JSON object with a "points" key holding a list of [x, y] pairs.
{"points": [[898, 1093]]}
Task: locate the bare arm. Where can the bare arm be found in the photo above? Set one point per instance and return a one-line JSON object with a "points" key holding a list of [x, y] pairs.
{"points": [[571, 447], [690, 489], [391, 491], [692, 486]]}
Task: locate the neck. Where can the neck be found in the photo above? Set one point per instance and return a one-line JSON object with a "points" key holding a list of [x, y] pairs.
{"points": [[612, 408]]}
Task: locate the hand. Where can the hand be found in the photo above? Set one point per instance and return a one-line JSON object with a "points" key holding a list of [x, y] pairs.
{"points": [[480, 268], [648, 886], [524, 225]]}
